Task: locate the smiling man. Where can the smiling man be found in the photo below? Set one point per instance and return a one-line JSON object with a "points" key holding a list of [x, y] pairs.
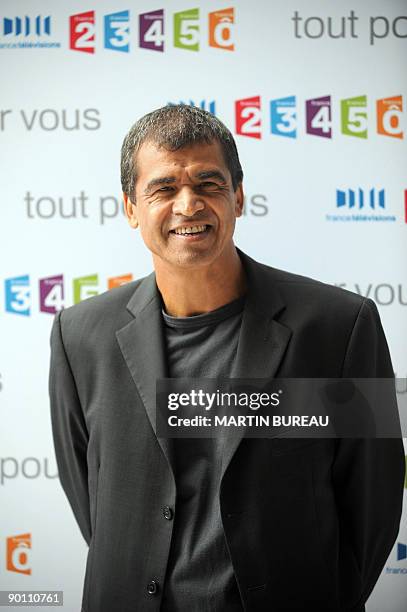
{"points": [[215, 524], [186, 199]]}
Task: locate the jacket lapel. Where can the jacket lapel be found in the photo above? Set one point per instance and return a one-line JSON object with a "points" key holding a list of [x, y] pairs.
{"points": [[143, 347], [262, 340]]}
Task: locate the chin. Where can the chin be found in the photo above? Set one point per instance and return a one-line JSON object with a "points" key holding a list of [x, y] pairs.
{"points": [[192, 258]]}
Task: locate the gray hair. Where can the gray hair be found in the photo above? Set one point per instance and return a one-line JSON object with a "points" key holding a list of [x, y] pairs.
{"points": [[173, 127]]}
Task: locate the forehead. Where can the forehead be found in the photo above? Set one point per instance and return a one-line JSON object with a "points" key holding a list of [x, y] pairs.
{"points": [[152, 160]]}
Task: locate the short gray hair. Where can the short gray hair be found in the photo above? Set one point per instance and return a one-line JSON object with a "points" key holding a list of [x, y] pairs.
{"points": [[173, 127]]}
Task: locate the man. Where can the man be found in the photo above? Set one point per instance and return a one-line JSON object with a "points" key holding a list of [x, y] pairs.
{"points": [[198, 525]]}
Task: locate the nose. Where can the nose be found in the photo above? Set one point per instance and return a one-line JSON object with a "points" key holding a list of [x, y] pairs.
{"points": [[187, 202]]}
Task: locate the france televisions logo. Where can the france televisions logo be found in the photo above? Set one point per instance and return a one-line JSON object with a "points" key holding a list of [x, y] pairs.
{"points": [[401, 555], [18, 554], [27, 32], [360, 205], [25, 26], [360, 198], [208, 105]]}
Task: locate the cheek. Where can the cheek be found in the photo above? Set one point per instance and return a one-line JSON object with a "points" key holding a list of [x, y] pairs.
{"points": [[152, 223], [223, 208], [229, 212]]}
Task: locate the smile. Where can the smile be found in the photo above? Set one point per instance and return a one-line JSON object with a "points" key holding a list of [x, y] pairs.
{"points": [[190, 230]]}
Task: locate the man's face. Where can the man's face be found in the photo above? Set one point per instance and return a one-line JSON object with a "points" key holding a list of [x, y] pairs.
{"points": [[184, 191]]}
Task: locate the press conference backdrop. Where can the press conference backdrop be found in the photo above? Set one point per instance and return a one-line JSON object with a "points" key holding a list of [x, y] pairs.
{"points": [[315, 93]]}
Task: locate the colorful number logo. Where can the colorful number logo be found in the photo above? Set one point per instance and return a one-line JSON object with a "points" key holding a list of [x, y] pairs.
{"points": [[221, 30], [186, 30], [19, 553], [18, 296], [283, 117], [117, 31], [151, 27], [389, 116], [51, 293], [117, 281], [318, 117], [186, 34], [82, 287], [354, 116], [82, 32], [248, 117]]}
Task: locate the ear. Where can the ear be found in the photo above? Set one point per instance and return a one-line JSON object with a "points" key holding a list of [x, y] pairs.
{"points": [[130, 210], [239, 200]]}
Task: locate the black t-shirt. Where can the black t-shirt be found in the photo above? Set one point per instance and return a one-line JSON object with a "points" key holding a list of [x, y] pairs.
{"points": [[200, 575]]}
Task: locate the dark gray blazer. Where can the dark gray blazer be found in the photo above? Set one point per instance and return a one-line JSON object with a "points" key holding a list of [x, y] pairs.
{"points": [[308, 523]]}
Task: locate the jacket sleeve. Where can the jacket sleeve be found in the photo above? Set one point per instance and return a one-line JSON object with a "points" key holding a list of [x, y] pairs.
{"points": [[69, 431], [368, 474]]}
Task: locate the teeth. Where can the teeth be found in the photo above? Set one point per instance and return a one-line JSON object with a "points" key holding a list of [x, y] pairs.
{"points": [[194, 229]]}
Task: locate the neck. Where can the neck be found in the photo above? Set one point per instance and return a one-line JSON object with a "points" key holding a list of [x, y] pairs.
{"points": [[191, 291]]}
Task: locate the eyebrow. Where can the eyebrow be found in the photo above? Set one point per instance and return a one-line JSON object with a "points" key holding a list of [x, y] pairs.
{"points": [[163, 180], [207, 174], [167, 180]]}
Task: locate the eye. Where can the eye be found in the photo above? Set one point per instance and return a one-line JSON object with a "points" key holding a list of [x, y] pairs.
{"points": [[208, 185], [163, 189]]}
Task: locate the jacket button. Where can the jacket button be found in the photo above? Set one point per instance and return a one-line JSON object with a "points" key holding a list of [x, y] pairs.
{"points": [[152, 587], [168, 513]]}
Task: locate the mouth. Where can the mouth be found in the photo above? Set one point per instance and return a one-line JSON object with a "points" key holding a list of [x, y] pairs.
{"points": [[191, 232]]}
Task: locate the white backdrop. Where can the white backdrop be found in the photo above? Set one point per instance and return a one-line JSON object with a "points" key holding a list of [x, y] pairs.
{"points": [[71, 88]]}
